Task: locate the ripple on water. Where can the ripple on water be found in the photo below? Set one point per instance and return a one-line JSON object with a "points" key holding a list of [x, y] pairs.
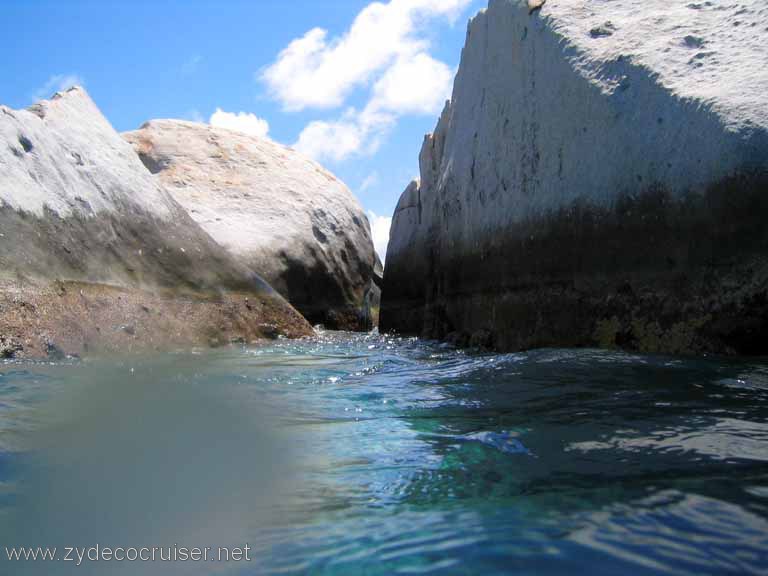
{"points": [[411, 457], [503, 441], [688, 533]]}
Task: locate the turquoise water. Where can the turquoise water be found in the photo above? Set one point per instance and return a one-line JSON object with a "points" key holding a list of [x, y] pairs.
{"points": [[375, 455]]}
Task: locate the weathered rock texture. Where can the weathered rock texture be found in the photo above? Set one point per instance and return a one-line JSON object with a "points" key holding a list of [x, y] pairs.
{"points": [[77, 206], [64, 318], [278, 212], [600, 177]]}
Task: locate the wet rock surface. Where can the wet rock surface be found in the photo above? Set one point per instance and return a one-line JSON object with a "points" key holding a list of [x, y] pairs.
{"points": [[70, 319], [10, 347]]}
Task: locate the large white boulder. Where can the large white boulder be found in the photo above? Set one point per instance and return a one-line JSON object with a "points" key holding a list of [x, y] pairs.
{"points": [[593, 151], [77, 206], [280, 213]]}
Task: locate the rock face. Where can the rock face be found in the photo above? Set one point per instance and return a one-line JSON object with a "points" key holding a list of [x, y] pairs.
{"points": [[600, 177], [79, 213], [278, 212]]}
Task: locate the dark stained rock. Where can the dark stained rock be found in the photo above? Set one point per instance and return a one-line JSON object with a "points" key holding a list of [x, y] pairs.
{"points": [[580, 190]]}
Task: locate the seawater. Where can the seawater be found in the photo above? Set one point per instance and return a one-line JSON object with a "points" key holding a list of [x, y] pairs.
{"points": [[369, 454]]}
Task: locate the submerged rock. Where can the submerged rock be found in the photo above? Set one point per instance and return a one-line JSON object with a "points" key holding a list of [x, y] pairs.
{"points": [[600, 177], [10, 347], [278, 212], [84, 225]]}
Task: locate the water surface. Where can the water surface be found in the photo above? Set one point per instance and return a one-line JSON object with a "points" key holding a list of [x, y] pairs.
{"points": [[365, 454]]}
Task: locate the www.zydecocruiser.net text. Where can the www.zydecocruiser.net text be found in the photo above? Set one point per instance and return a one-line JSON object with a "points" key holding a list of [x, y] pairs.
{"points": [[80, 555]]}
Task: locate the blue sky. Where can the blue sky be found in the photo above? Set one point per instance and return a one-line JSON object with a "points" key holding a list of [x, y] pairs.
{"points": [[352, 83]]}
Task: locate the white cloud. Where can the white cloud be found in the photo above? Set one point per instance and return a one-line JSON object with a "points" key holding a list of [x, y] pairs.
{"points": [[416, 84], [380, 226], [242, 122], [352, 134], [317, 72], [413, 85], [330, 140], [57, 83], [369, 182], [382, 51]]}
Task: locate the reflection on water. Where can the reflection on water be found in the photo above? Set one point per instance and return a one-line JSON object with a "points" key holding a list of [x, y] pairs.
{"points": [[376, 455]]}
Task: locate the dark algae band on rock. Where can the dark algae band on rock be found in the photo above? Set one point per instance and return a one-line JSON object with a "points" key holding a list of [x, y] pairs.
{"points": [[96, 256], [653, 274], [580, 190]]}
